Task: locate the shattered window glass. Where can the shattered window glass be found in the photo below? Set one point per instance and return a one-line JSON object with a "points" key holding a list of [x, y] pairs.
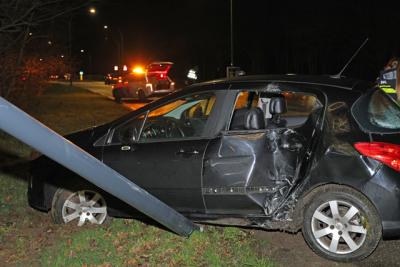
{"points": [[300, 104], [383, 112]]}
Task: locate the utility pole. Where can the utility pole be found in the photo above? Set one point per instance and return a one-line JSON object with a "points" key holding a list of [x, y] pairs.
{"points": [[232, 62], [70, 49], [121, 37], [231, 70], [92, 11]]}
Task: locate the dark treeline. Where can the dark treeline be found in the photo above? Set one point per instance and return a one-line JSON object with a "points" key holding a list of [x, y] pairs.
{"points": [[303, 37]]}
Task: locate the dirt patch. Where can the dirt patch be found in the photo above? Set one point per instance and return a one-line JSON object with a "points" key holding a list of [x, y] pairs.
{"points": [[28, 234], [290, 250]]}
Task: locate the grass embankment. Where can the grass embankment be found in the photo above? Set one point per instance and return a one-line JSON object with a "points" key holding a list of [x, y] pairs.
{"points": [[27, 237]]}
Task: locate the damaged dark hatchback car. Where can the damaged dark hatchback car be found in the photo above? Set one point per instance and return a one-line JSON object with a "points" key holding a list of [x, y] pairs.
{"points": [[315, 154]]}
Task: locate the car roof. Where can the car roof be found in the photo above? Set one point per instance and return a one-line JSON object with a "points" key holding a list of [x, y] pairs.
{"points": [[322, 80]]}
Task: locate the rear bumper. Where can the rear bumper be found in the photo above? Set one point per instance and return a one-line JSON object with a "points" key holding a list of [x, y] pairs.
{"points": [[384, 192]]}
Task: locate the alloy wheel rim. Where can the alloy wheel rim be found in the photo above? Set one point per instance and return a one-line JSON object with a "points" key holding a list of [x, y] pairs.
{"points": [[85, 206], [338, 226]]}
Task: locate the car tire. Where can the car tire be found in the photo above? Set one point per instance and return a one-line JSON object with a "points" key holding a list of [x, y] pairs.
{"points": [[330, 232], [81, 206], [117, 96], [141, 95]]}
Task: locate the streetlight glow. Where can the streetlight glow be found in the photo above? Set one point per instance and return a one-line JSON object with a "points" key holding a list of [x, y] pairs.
{"points": [[82, 51], [105, 27], [92, 10]]}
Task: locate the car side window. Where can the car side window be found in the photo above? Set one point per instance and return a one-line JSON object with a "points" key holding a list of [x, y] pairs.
{"points": [[128, 132], [182, 118], [285, 109]]}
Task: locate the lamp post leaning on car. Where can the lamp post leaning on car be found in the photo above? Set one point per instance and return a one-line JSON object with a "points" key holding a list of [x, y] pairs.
{"points": [[25, 128]]}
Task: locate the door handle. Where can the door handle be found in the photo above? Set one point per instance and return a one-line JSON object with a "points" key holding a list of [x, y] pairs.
{"points": [[187, 152]]}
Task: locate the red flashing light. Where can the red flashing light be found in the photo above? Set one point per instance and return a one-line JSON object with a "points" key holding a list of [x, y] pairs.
{"points": [[158, 71], [160, 75], [388, 154]]}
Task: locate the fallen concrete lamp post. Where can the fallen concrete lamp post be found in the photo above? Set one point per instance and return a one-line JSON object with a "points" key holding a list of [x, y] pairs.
{"points": [[30, 131]]}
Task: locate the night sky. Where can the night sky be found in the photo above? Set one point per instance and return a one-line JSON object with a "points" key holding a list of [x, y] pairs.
{"points": [[269, 36]]}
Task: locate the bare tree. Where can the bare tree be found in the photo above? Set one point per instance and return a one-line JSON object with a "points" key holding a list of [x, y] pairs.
{"points": [[17, 19]]}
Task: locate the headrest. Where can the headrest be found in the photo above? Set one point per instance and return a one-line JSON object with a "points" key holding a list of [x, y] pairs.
{"points": [[238, 119], [198, 112], [254, 119], [277, 105]]}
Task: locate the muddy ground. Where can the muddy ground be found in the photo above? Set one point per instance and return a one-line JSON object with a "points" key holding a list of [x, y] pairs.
{"points": [[290, 250]]}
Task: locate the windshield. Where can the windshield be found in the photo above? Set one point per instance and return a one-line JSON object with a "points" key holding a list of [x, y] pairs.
{"points": [[383, 111]]}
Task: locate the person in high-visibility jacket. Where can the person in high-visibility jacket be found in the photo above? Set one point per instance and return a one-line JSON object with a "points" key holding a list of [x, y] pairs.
{"points": [[389, 80]]}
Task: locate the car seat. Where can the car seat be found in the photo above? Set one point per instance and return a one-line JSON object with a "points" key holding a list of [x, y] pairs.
{"points": [[254, 119], [277, 107], [248, 119]]}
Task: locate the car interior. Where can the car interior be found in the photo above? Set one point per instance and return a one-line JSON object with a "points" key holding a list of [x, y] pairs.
{"points": [[287, 110]]}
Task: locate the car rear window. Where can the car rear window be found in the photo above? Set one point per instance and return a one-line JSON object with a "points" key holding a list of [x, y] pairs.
{"points": [[376, 112], [383, 111]]}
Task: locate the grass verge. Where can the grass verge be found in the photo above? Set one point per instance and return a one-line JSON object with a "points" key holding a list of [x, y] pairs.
{"points": [[132, 243]]}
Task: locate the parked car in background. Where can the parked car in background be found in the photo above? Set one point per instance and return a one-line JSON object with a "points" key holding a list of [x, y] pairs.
{"points": [[154, 80], [294, 153]]}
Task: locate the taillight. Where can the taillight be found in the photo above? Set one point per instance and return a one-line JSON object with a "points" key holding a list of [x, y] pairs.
{"points": [[388, 154]]}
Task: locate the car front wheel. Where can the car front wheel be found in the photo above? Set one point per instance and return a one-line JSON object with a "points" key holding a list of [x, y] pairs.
{"points": [[341, 224], [80, 207]]}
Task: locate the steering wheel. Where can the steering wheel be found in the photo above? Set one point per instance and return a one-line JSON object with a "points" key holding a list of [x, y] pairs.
{"points": [[163, 127]]}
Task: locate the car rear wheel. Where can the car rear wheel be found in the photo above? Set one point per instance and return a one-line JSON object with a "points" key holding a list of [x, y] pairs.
{"points": [[80, 207], [341, 224]]}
